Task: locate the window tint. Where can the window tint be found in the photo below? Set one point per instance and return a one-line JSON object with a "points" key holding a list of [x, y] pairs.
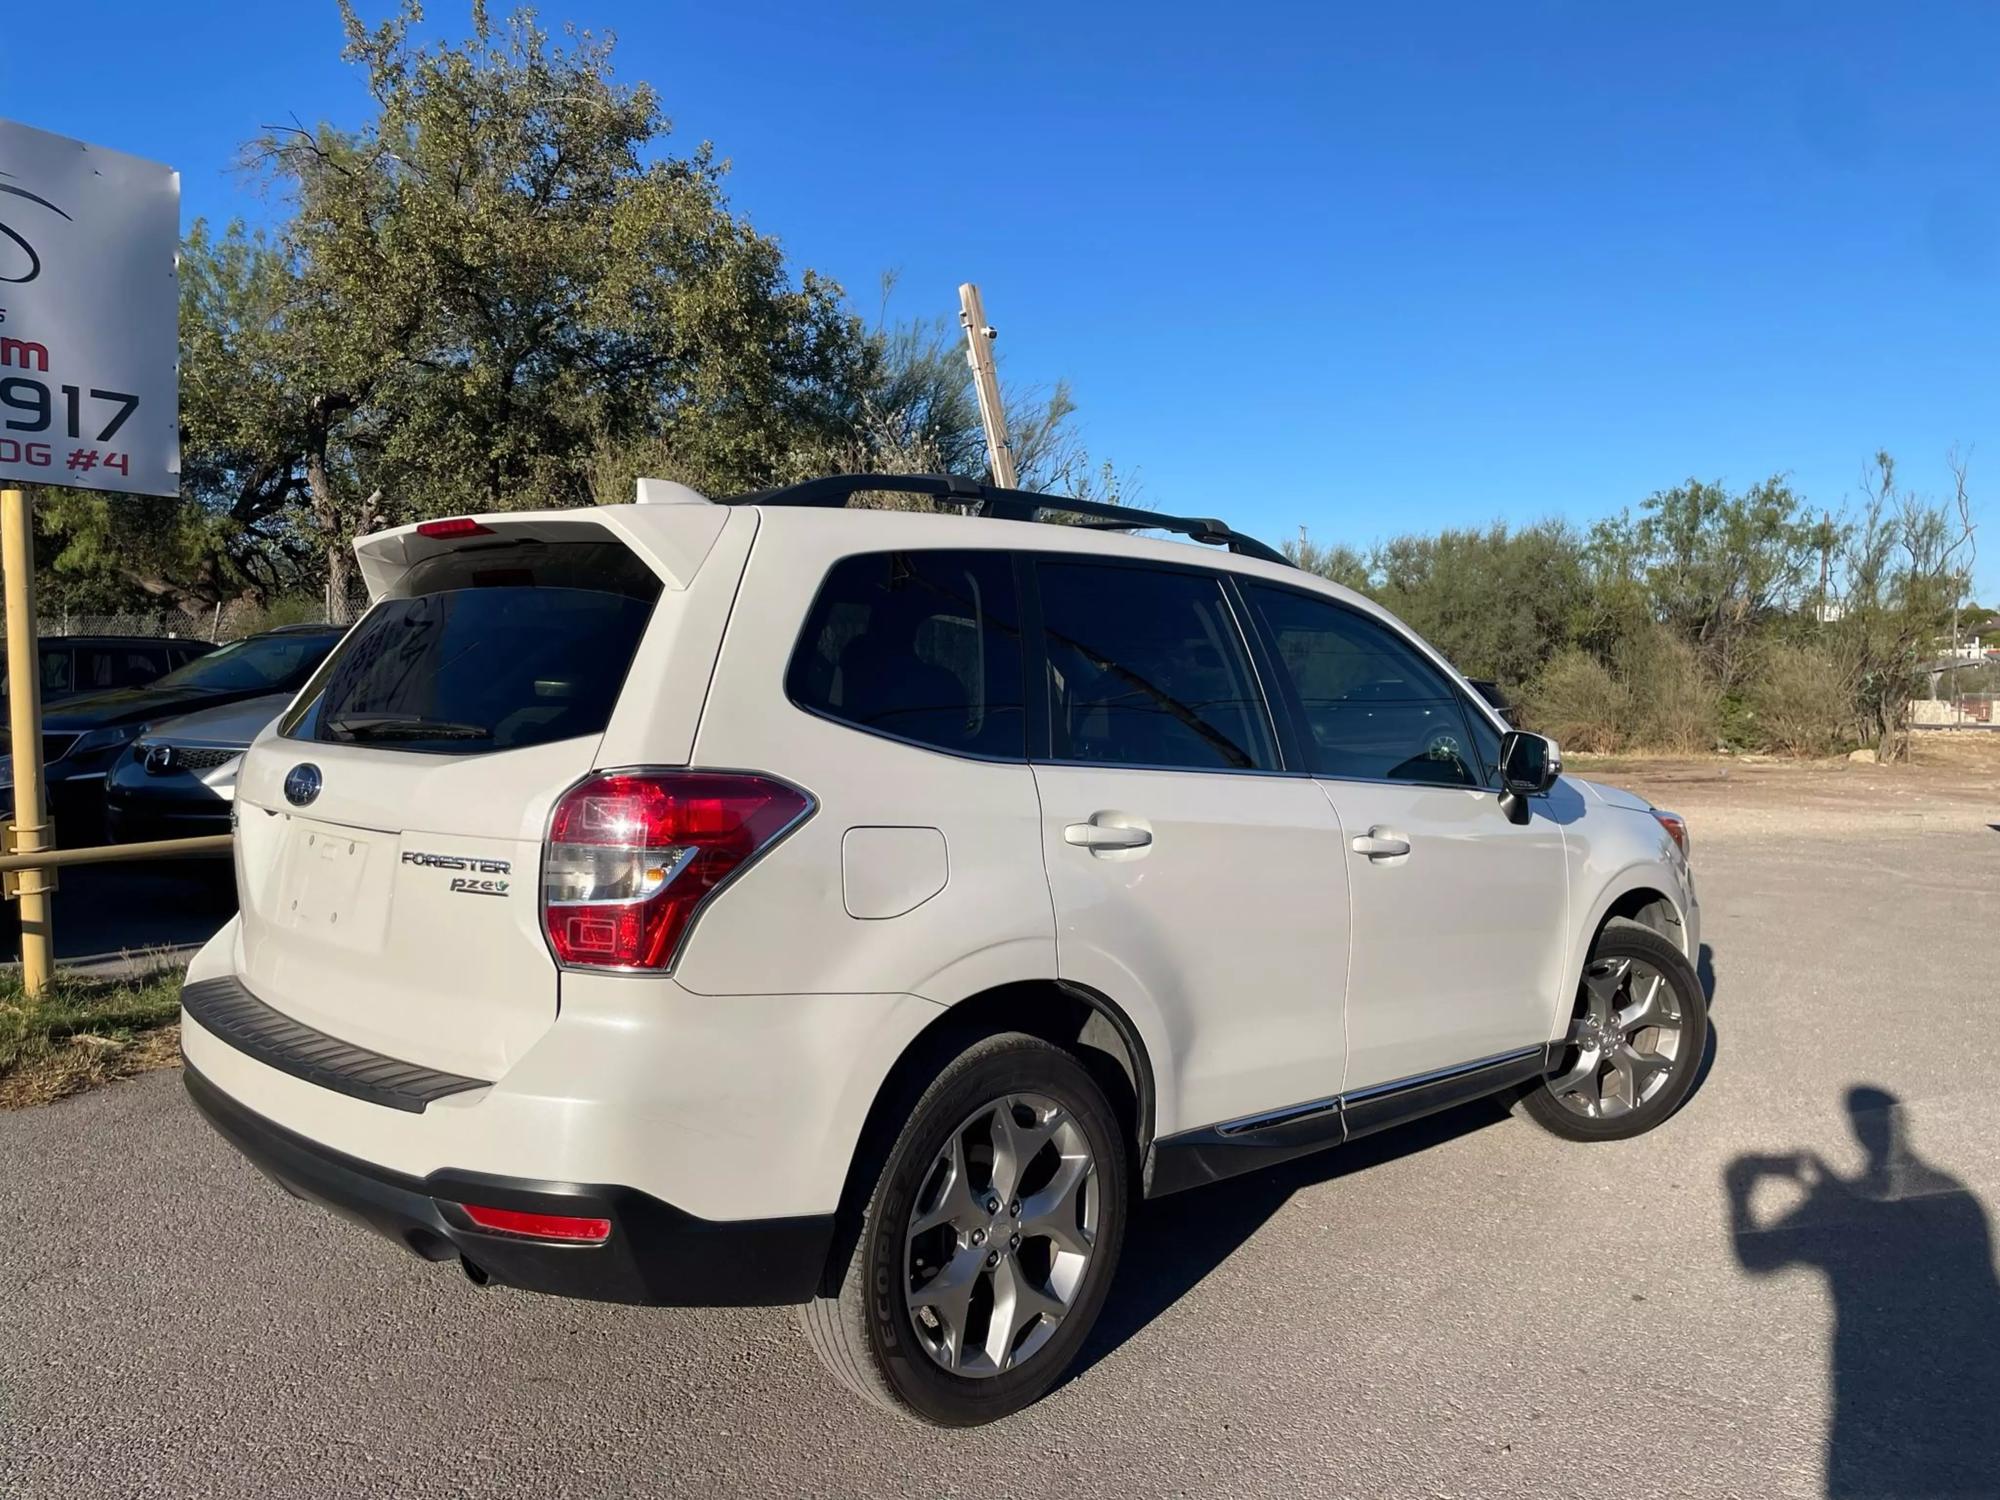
{"points": [[1374, 708], [485, 657], [922, 645], [257, 663], [116, 666], [56, 671], [1147, 669], [1486, 742]]}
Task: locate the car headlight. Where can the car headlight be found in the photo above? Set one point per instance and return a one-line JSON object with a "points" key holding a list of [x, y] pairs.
{"points": [[113, 738]]}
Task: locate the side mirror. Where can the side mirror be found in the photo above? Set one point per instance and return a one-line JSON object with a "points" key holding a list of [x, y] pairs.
{"points": [[1529, 763]]}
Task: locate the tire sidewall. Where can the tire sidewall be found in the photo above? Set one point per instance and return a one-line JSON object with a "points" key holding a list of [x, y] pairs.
{"points": [[1005, 1066]]}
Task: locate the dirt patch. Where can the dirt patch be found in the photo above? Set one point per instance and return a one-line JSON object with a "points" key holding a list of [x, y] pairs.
{"points": [[1952, 783]]}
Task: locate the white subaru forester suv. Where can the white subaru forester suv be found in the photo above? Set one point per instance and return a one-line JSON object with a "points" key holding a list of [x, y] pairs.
{"points": [[773, 902]]}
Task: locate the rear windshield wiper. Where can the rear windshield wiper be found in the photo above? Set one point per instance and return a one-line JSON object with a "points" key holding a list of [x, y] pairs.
{"points": [[402, 727]]}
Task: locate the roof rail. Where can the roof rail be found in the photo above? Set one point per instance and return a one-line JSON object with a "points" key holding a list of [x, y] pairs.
{"points": [[834, 492]]}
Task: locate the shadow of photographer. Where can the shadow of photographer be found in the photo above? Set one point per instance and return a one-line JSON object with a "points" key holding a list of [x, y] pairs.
{"points": [[1907, 1254]]}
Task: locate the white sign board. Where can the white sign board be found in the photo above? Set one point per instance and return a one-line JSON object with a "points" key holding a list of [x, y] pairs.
{"points": [[89, 316]]}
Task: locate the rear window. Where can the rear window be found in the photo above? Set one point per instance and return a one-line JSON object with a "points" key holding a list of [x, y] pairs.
{"points": [[924, 646], [498, 647]]}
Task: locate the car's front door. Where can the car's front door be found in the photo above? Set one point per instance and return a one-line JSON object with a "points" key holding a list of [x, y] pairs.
{"points": [[1460, 914], [1191, 874]]}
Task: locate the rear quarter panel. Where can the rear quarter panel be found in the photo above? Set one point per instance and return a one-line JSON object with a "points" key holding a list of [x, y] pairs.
{"points": [[784, 925]]}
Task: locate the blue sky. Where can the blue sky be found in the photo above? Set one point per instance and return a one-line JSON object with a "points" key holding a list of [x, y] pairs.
{"points": [[1367, 269]]}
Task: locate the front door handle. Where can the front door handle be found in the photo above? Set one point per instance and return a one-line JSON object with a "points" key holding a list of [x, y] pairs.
{"points": [[1106, 836], [1380, 843]]}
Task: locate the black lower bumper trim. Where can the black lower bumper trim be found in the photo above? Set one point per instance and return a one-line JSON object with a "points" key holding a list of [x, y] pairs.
{"points": [[226, 1008], [657, 1255]]}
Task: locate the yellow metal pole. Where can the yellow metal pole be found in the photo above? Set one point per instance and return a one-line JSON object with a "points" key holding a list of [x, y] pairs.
{"points": [[24, 704]]}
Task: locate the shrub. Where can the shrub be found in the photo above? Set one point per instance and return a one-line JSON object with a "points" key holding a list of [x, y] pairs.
{"points": [[1801, 701], [1578, 702], [1675, 704]]}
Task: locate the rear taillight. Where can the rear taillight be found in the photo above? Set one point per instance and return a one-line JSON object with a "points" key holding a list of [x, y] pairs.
{"points": [[1676, 827], [632, 855]]}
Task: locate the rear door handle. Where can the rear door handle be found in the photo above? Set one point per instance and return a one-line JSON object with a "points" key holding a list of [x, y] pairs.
{"points": [[1380, 843], [1106, 836]]}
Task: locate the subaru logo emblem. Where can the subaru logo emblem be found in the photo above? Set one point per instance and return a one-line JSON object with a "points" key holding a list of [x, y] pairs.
{"points": [[302, 784]]}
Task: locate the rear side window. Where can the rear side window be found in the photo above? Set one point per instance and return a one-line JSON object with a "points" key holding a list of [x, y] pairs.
{"points": [[498, 647], [925, 646], [117, 666], [1374, 708], [1148, 669]]}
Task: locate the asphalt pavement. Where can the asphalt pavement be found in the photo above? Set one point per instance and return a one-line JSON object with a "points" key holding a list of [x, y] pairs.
{"points": [[1467, 1307]]}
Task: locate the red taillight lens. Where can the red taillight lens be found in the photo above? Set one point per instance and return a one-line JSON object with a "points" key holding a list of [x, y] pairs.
{"points": [[456, 526], [1676, 827], [632, 855], [563, 1227]]}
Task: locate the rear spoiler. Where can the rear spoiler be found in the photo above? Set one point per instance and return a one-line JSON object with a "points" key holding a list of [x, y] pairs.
{"points": [[672, 531]]}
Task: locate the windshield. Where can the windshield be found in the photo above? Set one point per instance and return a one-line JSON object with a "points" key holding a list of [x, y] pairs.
{"points": [[261, 663]]}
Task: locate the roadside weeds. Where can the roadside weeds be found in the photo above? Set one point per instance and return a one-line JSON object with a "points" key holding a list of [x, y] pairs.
{"points": [[85, 1032]]}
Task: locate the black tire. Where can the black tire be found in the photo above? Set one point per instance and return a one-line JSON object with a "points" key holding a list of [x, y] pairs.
{"points": [[1629, 941], [866, 1333]]}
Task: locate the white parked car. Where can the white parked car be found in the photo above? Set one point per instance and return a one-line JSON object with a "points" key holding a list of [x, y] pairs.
{"points": [[772, 902]]}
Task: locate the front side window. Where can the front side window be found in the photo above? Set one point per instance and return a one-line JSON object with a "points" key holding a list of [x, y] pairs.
{"points": [[1374, 708], [925, 646], [1147, 668]]}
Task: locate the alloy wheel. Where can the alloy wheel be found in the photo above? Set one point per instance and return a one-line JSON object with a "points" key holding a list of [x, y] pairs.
{"points": [[1623, 1042], [1000, 1235]]}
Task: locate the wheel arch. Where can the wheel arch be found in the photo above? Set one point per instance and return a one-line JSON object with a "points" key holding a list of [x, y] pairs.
{"points": [[1646, 906], [1090, 1024], [1642, 894]]}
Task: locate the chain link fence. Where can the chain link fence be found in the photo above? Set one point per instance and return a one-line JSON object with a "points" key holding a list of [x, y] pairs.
{"points": [[226, 622]]}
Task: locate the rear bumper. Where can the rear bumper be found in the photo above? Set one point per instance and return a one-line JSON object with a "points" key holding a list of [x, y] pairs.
{"points": [[656, 1255]]}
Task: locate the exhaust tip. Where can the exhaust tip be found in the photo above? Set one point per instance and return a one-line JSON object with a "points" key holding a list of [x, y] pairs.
{"points": [[474, 1272]]}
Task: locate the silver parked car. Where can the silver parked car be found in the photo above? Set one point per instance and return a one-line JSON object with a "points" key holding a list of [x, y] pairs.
{"points": [[178, 780]]}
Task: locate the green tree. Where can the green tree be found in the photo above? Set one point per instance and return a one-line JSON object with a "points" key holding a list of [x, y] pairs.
{"points": [[243, 431], [500, 274], [1335, 561], [1719, 566]]}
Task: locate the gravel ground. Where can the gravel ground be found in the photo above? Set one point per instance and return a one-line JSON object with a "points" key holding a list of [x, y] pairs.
{"points": [[1464, 1308]]}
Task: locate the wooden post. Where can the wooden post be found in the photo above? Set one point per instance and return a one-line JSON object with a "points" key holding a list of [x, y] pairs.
{"points": [[29, 833], [979, 336]]}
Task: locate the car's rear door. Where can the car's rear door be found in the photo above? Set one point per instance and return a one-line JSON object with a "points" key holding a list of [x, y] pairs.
{"points": [[1192, 874], [1460, 913]]}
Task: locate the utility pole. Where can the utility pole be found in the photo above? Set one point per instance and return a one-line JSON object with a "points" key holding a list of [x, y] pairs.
{"points": [[1825, 562], [979, 337]]}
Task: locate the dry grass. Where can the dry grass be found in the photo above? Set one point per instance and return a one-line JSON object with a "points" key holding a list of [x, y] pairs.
{"points": [[1951, 783], [85, 1032]]}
